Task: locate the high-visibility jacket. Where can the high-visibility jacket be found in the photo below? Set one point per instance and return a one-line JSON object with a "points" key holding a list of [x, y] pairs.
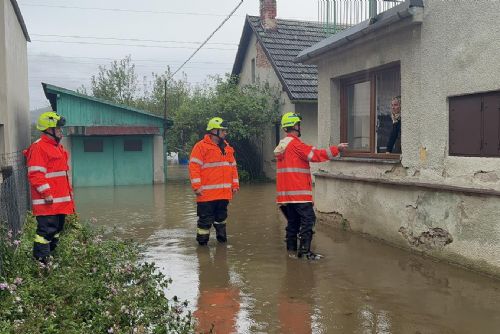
{"points": [[293, 178], [213, 172], [48, 176]]}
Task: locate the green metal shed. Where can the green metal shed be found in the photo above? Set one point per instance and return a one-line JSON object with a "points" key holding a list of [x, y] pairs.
{"points": [[109, 144]]}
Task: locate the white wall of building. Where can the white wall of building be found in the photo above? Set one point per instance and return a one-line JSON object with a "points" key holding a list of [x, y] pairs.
{"points": [[453, 52]]}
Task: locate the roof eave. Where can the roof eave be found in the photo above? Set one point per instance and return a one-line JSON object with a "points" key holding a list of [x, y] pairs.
{"points": [[52, 92], [410, 9], [242, 47], [19, 16]]}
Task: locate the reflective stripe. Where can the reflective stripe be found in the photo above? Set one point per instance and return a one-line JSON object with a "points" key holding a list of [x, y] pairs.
{"points": [[221, 223], [56, 200], [311, 154], [56, 235], [196, 161], [294, 170], [43, 187], [295, 192], [37, 168], [197, 180], [330, 155], [236, 181], [40, 240], [216, 164], [55, 174], [203, 231], [216, 186], [234, 163]]}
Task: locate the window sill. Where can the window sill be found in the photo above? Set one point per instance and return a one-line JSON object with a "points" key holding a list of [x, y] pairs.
{"points": [[393, 159]]}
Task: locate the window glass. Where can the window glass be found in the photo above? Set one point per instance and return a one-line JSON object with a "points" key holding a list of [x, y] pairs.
{"points": [[358, 113]]}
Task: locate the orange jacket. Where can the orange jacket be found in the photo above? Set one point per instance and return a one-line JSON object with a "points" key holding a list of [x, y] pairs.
{"points": [[48, 176], [216, 174], [293, 179]]}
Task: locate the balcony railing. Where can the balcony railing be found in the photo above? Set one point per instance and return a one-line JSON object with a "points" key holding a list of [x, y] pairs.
{"points": [[337, 15]]}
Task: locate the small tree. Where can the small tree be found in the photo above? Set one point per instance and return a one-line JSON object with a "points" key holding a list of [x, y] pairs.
{"points": [[118, 83], [248, 110]]}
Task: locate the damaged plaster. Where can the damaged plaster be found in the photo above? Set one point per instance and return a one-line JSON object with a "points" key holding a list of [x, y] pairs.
{"points": [[433, 239]]}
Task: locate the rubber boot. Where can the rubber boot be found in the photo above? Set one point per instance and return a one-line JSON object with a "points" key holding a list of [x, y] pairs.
{"points": [[291, 244], [305, 249], [202, 236], [220, 232]]}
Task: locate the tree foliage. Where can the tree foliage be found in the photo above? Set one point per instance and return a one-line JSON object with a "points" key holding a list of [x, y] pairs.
{"points": [[247, 109]]}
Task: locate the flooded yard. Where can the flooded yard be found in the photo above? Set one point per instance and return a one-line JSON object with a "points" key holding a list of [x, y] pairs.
{"points": [[250, 285]]}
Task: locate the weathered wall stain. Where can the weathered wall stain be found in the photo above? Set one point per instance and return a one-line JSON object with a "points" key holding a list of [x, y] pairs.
{"points": [[434, 239]]}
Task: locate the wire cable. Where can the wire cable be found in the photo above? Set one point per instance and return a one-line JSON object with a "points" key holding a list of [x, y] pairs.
{"points": [[208, 38], [127, 39]]}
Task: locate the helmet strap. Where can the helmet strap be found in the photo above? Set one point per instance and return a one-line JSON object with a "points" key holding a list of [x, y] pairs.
{"points": [[52, 134]]}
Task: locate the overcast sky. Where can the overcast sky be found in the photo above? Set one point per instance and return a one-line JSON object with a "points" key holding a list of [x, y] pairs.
{"points": [[167, 30]]}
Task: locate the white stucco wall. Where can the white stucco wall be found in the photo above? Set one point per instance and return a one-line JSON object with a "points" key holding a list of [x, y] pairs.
{"points": [[453, 52], [264, 72], [158, 160], [14, 97]]}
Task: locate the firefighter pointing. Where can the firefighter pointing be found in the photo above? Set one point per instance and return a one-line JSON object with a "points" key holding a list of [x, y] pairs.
{"points": [[294, 184], [51, 192], [214, 179]]}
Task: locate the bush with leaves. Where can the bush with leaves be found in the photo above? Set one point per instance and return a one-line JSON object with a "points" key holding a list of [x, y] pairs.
{"points": [[90, 286]]}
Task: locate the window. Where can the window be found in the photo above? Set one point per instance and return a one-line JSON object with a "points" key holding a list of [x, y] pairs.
{"points": [[93, 145], [253, 70], [132, 145], [366, 122], [475, 125]]}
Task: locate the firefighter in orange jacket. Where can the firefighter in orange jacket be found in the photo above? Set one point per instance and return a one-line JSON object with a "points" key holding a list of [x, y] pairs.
{"points": [[214, 179], [51, 192], [294, 184]]}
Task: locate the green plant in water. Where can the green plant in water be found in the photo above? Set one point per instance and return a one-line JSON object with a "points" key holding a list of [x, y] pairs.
{"points": [[90, 286]]}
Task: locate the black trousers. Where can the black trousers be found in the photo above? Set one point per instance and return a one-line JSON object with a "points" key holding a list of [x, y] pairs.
{"points": [[301, 220], [47, 235], [212, 213], [396, 130]]}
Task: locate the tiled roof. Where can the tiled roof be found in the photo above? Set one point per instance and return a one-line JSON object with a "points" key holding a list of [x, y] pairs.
{"points": [[281, 47]]}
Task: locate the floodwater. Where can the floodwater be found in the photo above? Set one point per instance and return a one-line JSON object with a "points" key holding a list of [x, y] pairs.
{"points": [[250, 285]]}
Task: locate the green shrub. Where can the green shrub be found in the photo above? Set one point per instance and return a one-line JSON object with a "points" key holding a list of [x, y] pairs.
{"points": [[90, 286]]}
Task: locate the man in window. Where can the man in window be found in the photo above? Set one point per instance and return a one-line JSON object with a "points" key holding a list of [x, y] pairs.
{"points": [[51, 193], [294, 184], [214, 179]]}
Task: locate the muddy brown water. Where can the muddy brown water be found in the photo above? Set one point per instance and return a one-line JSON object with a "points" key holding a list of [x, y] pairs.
{"points": [[252, 286]]}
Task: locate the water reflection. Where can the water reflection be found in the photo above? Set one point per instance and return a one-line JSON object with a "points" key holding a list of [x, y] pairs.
{"points": [[251, 286], [218, 300]]}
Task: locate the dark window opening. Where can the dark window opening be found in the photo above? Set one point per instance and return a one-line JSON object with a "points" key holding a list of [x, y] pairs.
{"points": [[93, 145], [132, 145], [474, 125]]}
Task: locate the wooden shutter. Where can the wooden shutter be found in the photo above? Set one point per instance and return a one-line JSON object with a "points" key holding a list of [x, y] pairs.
{"points": [[465, 125], [491, 124]]}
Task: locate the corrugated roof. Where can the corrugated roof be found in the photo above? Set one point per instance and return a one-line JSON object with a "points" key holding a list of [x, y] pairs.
{"points": [[281, 47], [52, 91], [17, 10]]}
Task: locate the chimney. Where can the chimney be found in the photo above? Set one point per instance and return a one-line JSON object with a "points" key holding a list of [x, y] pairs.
{"points": [[268, 14]]}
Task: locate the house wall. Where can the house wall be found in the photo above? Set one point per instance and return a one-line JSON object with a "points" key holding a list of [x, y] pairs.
{"points": [[14, 98], [438, 59], [264, 72]]}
